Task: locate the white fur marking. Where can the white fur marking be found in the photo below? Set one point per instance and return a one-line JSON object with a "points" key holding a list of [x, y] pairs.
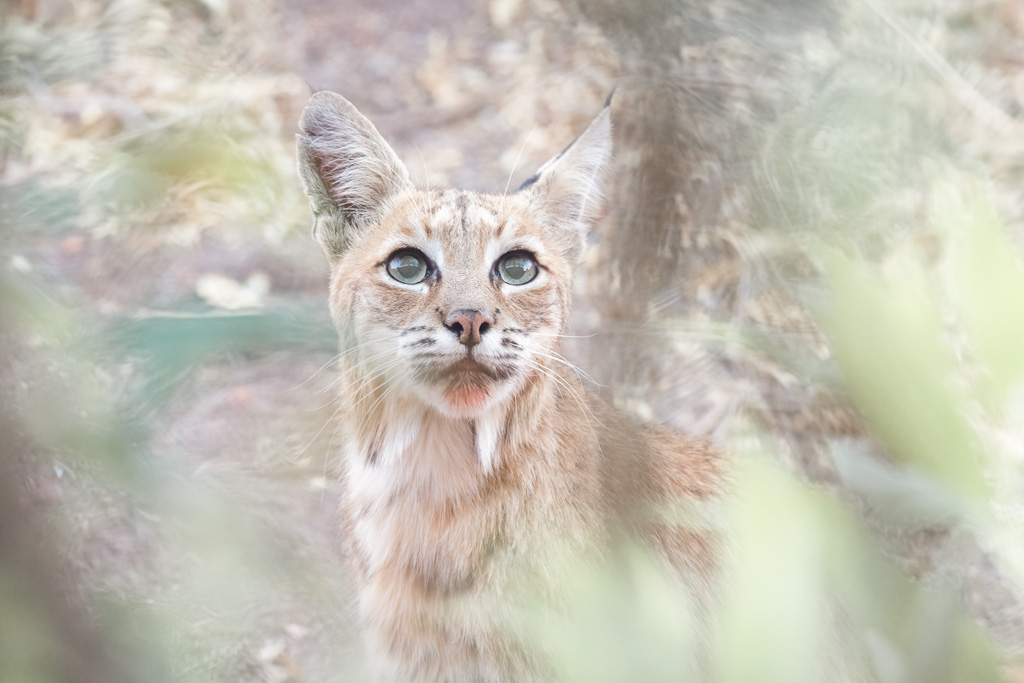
{"points": [[488, 433]]}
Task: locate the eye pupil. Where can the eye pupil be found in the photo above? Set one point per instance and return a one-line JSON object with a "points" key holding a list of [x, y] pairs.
{"points": [[517, 269], [408, 268]]}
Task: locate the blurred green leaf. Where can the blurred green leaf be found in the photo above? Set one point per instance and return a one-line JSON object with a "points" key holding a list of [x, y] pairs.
{"points": [[28, 309], [28, 644], [621, 621], [986, 283], [203, 155], [771, 626], [812, 598], [887, 340]]}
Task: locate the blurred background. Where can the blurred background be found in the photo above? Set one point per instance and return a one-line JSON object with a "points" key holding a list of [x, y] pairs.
{"points": [[811, 254]]}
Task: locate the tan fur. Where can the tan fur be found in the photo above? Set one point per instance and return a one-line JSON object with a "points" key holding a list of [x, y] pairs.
{"points": [[447, 503]]}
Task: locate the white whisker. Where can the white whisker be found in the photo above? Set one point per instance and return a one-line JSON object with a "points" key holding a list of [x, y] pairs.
{"points": [[357, 366], [575, 394], [338, 357], [321, 430], [369, 412], [426, 180], [557, 357], [563, 336], [515, 164]]}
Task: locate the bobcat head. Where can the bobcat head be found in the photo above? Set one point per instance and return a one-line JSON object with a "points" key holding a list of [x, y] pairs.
{"points": [[457, 299]]}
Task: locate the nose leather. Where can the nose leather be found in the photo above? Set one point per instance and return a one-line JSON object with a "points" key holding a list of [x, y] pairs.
{"points": [[469, 324]]}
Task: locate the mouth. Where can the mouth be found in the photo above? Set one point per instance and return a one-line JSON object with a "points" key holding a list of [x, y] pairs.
{"points": [[468, 384], [465, 384]]}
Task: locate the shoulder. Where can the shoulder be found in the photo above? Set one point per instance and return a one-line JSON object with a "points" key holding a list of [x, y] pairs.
{"points": [[652, 462], [682, 465]]}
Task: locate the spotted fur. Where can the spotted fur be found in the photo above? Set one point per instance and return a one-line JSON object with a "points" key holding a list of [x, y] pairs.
{"points": [[463, 464]]}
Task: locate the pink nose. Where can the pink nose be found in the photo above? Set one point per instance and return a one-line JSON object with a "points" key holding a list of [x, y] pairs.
{"points": [[469, 324]]}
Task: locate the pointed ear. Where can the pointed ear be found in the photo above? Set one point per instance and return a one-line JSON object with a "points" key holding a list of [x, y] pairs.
{"points": [[350, 174], [568, 187]]}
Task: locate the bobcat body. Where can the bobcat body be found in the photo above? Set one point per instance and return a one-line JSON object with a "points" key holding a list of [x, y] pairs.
{"points": [[470, 448]]}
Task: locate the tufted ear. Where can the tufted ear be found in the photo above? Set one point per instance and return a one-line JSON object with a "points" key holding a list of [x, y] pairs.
{"points": [[350, 174], [567, 189]]}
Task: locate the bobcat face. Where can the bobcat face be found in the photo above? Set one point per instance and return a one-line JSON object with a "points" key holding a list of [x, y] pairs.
{"points": [[456, 298]]}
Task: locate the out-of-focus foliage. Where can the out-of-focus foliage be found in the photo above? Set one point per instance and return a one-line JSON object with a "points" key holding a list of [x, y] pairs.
{"points": [[166, 510], [808, 592], [985, 275], [631, 610], [886, 336]]}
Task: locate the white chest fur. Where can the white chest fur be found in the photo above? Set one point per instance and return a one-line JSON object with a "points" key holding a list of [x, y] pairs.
{"points": [[418, 506]]}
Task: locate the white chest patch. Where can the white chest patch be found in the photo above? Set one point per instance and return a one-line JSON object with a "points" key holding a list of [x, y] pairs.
{"points": [[396, 499], [441, 462]]}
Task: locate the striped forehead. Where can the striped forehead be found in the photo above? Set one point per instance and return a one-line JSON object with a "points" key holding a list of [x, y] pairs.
{"points": [[479, 220], [456, 219], [453, 226], [458, 215], [461, 215]]}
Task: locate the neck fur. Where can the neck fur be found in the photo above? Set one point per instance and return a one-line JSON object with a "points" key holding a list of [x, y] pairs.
{"points": [[429, 454]]}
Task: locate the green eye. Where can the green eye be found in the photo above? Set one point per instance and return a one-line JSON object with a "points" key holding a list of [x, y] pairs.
{"points": [[408, 267], [517, 268]]}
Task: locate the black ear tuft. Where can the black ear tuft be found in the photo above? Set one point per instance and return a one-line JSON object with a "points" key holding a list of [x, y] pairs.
{"points": [[608, 100], [529, 182], [567, 189]]}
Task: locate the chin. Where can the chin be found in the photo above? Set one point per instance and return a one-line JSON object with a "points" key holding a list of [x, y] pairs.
{"points": [[465, 401], [464, 390]]}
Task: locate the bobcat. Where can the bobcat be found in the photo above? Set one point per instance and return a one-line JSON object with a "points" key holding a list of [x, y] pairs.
{"points": [[470, 446]]}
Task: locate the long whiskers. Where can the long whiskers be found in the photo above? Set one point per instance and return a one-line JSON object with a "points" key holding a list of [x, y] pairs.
{"points": [[560, 382], [367, 415], [378, 372], [357, 366], [563, 336], [559, 358], [370, 380], [358, 431], [340, 356]]}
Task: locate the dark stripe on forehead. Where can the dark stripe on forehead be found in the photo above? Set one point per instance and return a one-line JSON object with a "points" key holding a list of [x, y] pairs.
{"points": [[433, 200], [462, 203]]}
